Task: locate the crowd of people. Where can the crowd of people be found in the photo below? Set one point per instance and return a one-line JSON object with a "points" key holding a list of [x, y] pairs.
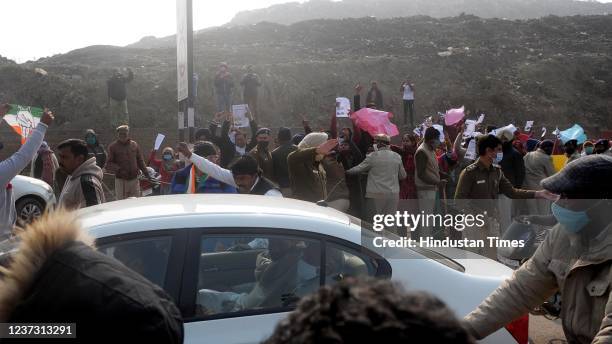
{"points": [[362, 174]]}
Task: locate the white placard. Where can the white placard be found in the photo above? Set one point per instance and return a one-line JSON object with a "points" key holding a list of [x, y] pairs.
{"points": [[240, 118], [470, 154], [181, 50], [181, 120], [158, 141], [481, 118], [528, 126], [470, 127], [190, 117], [543, 132], [343, 107]]}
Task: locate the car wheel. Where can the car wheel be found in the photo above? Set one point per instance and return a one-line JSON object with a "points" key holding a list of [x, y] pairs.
{"points": [[29, 208]]}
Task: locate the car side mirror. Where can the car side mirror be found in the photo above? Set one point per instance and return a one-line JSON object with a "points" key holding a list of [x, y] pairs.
{"points": [[322, 203]]}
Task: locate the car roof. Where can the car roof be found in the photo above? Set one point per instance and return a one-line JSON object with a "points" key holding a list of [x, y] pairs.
{"points": [[218, 204]]}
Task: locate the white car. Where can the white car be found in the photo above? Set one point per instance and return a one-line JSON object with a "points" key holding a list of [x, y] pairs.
{"points": [[32, 196], [206, 250]]}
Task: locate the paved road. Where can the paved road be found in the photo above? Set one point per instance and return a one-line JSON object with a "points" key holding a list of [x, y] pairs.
{"points": [[544, 331]]}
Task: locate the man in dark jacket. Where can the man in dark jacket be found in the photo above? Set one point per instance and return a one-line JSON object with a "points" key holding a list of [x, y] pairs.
{"points": [[513, 167], [375, 97], [94, 148], [117, 97], [57, 276], [279, 160], [250, 83], [224, 83], [262, 154]]}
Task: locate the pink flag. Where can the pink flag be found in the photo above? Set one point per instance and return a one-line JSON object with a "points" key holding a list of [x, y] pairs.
{"points": [[453, 116], [375, 122]]}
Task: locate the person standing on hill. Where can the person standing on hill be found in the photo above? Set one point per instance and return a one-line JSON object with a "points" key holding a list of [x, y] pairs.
{"points": [[224, 83], [117, 97], [250, 83], [407, 90], [375, 97]]}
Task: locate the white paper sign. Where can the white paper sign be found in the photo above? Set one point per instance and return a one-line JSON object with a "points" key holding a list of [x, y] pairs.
{"points": [[181, 120], [528, 126], [557, 132], [481, 118], [190, 118], [543, 132], [441, 130], [470, 154], [158, 141], [343, 107], [240, 118], [470, 127]]}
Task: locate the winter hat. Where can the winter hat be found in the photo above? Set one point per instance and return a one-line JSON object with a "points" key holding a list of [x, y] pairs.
{"points": [[313, 140]]}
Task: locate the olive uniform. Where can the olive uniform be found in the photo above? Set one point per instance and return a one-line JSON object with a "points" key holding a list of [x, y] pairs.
{"points": [[477, 186]]}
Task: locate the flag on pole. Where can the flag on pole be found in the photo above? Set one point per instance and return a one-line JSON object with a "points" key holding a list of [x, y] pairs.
{"points": [[23, 119]]}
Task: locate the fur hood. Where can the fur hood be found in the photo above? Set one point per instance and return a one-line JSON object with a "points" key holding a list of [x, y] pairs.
{"points": [[38, 242]]}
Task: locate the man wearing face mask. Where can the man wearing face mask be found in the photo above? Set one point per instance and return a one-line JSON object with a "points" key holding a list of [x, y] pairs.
{"points": [[94, 148], [262, 154], [483, 181], [427, 178], [575, 258]]}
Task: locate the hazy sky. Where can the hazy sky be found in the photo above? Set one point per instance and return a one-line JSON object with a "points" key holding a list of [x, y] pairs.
{"points": [[32, 29]]}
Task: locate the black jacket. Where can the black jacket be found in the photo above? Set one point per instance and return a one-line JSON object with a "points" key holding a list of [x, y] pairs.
{"points": [[74, 283], [279, 161], [263, 185], [513, 165]]}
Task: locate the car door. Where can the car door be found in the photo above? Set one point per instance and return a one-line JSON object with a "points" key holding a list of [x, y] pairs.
{"points": [[240, 282], [156, 255]]}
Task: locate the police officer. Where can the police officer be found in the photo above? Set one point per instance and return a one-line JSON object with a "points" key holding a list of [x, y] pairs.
{"points": [[575, 258], [482, 182]]}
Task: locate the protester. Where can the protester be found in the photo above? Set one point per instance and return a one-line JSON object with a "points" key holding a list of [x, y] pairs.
{"points": [[262, 154], [575, 258], [250, 83], [375, 97], [385, 169], [279, 160], [363, 311], [57, 276], [224, 83], [166, 166], [244, 174], [338, 195], [124, 161], [194, 180], [482, 182], [14, 164], [44, 164], [350, 156], [571, 151], [306, 173], [513, 167], [83, 187], [203, 134], [427, 178], [117, 98], [407, 90], [539, 166], [95, 148], [588, 148], [602, 146]]}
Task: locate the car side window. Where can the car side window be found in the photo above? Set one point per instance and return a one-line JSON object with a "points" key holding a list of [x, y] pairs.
{"points": [[263, 272], [146, 256], [342, 262]]}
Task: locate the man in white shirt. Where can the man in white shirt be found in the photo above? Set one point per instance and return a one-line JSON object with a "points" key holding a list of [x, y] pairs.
{"points": [[407, 90], [244, 174]]}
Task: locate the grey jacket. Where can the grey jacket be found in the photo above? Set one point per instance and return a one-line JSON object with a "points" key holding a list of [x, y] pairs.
{"points": [[84, 187], [11, 167], [385, 169], [538, 165]]}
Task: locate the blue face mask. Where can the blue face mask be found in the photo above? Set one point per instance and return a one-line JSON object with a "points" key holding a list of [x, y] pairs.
{"points": [[588, 150], [499, 157], [572, 221], [91, 140], [167, 157]]}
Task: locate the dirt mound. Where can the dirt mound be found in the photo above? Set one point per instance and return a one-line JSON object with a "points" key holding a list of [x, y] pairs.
{"points": [[552, 70]]}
